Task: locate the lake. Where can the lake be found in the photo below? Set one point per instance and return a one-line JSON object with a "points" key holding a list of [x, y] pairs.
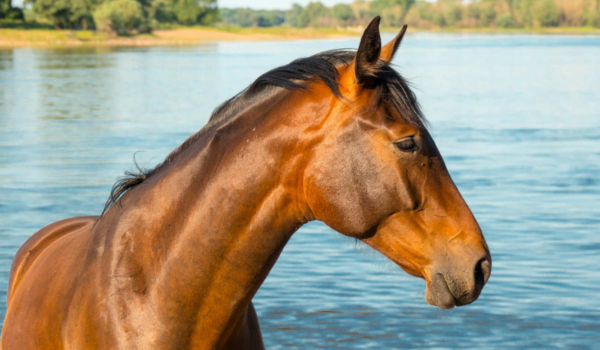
{"points": [[517, 119]]}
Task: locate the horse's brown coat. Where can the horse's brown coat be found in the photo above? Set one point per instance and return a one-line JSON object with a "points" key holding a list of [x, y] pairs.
{"points": [[175, 263]]}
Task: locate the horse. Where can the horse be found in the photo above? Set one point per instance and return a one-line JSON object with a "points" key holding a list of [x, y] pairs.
{"points": [[179, 251]]}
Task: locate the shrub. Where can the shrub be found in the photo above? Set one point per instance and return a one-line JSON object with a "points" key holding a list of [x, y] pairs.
{"points": [[546, 13], [505, 20], [591, 18], [453, 15], [473, 11], [14, 13], [488, 14], [56, 11], [342, 13], [132, 13], [315, 11], [107, 19], [211, 15], [303, 19], [391, 17], [119, 16], [426, 10], [292, 15], [439, 19], [162, 11], [270, 18], [524, 12], [186, 11]]}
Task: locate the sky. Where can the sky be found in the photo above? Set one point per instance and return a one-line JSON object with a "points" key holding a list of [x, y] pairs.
{"points": [[273, 4]]}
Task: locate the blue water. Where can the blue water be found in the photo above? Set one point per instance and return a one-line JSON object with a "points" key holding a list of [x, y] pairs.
{"points": [[517, 119]]}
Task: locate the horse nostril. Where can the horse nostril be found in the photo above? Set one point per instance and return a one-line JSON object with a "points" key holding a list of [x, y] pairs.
{"points": [[483, 270], [486, 266]]}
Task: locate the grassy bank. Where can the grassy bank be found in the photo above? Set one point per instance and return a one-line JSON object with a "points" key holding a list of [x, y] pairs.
{"points": [[12, 37], [19, 37]]}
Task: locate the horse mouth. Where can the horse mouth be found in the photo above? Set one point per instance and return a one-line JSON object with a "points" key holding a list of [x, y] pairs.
{"points": [[438, 293]]}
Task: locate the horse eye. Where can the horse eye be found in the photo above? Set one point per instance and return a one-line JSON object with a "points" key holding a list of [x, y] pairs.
{"points": [[406, 145]]}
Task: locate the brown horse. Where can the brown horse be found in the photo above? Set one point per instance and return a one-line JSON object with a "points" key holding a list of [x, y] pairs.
{"points": [[176, 259]]}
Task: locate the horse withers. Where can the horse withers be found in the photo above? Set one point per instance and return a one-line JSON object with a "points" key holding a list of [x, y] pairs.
{"points": [[174, 260]]}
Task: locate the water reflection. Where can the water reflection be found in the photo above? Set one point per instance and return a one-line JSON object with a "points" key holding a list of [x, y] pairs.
{"points": [[6, 59]]}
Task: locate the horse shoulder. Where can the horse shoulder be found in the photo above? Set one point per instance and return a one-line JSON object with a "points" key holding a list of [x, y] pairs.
{"points": [[40, 241]]}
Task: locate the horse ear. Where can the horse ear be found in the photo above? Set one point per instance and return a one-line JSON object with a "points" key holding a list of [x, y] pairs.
{"points": [[368, 51], [388, 51]]}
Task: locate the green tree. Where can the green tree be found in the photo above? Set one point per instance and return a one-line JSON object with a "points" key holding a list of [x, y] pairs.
{"points": [[107, 18], [488, 13], [5, 6], [591, 13], [293, 16], [9, 12], [186, 11], [453, 14], [162, 11], [15, 14], [524, 11], [119, 16], [383, 8], [267, 18], [246, 18], [405, 5], [210, 15], [505, 20], [439, 19], [473, 11], [81, 12], [315, 10], [342, 13], [377, 7], [381, 5], [592, 18], [303, 19], [426, 10], [58, 12], [546, 13], [190, 12]]}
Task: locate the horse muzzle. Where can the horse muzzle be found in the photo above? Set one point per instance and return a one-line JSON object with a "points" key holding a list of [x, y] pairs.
{"points": [[447, 290]]}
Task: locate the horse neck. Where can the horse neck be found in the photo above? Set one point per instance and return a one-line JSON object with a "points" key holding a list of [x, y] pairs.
{"points": [[201, 235]]}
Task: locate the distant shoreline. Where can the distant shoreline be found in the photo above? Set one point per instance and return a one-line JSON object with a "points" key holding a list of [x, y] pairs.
{"points": [[495, 30], [11, 38]]}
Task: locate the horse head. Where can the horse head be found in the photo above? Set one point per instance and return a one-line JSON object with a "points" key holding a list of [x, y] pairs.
{"points": [[378, 176]]}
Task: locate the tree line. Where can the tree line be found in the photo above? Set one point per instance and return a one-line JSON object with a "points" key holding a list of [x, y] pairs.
{"points": [[7, 11], [425, 14], [123, 16]]}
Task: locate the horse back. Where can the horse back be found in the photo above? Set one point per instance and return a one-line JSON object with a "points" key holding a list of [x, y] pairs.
{"points": [[39, 242]]}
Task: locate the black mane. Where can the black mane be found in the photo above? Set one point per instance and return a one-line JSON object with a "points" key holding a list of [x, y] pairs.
{"points": [[392, 87]]}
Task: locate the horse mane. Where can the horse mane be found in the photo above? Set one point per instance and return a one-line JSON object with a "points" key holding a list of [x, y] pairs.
{"points": [[392, 87]]}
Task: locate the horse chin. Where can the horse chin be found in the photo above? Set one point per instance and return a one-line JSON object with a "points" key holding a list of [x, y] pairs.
{"points": [[438, 293]]}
